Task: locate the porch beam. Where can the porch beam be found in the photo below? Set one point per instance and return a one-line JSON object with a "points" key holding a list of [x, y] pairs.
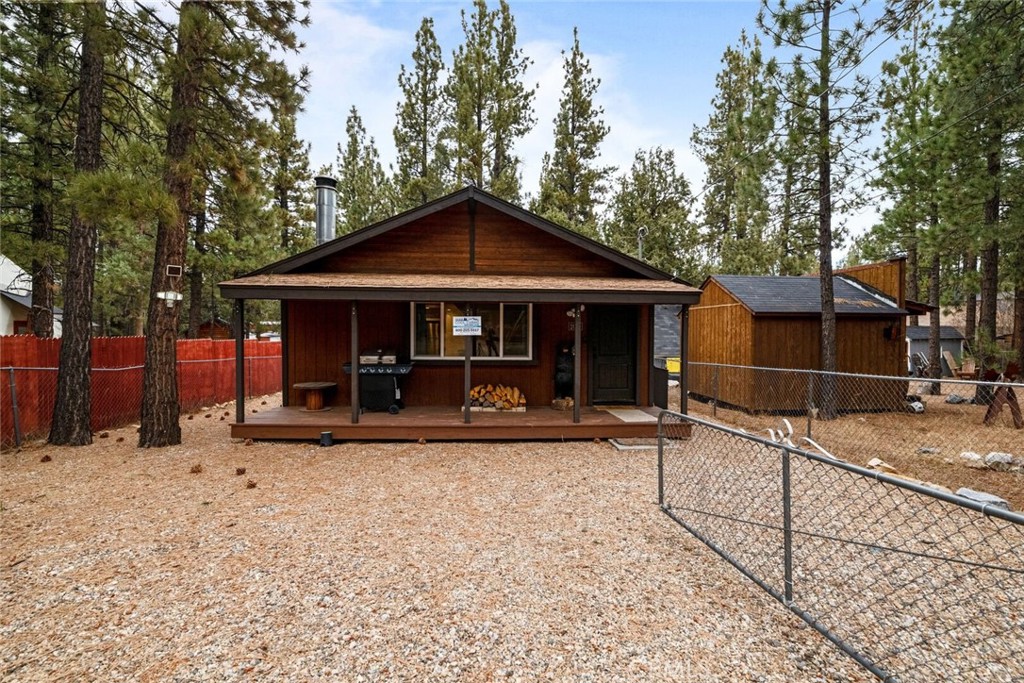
{"points": [[354, 339], [578, 353], [240, 361]]}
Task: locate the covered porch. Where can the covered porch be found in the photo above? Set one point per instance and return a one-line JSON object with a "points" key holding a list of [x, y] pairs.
{"points": [[447, 423]]}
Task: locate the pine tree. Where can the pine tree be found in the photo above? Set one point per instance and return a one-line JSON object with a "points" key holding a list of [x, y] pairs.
{"points": [[491, 107], [72, 413], [572, 183], [37, 77], [222, 77], [422, 115], [651, 206], [365, 195], [842, 118], [793, 193], [983, 105], [736, 148]]}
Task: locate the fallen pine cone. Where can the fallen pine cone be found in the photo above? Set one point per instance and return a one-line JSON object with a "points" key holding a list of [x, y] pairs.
{"points": [[104, 435], [239, 471], [226, 413], [250, 484], [221, 418], [248, 442], [45, 458], [189, 417], [263, 403], [208, 415], [422, 441], [196, 469], [120, 439]]}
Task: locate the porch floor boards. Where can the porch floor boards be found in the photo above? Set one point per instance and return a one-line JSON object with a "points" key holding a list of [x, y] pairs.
{"points": [[440, 424]]}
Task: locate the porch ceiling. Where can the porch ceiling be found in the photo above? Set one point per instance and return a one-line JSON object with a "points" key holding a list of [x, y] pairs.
{"points": [[475, 287]]}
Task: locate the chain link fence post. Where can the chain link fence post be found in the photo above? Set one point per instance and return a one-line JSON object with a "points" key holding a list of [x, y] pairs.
{"points": [[14, 408], [810, 402], [714, 398], [787, 530]]}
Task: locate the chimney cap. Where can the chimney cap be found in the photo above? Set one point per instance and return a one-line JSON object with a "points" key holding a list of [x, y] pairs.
{"points": [[326, 181]]}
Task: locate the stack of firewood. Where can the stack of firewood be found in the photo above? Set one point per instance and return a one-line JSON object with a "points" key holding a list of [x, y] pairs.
{"points": [[500, 397]]}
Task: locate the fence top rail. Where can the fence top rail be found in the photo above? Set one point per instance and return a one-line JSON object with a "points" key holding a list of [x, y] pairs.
{"points": [[984, 508], [231, 359], [891, 378]]}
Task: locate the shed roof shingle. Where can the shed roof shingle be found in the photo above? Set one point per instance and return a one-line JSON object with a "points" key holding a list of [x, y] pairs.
{"points": [[802, 295]]}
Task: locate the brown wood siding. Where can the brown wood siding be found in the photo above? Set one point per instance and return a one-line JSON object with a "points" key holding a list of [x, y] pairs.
{"points": [[318, 348], [438, 243], [720, 332], [505, 246], [863, 347], [888, 277]]}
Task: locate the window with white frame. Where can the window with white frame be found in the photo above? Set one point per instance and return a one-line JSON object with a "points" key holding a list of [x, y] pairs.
{"points": [[507, 331]]}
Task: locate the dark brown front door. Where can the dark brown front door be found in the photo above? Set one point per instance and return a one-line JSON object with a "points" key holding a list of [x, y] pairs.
{"points": [[613, 354]]}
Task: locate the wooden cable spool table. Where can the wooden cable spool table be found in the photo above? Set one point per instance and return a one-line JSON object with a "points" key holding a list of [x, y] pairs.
{"points": [[315, 394]]}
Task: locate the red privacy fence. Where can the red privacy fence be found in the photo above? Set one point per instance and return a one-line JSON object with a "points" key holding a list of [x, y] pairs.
{"points": [[206, 375]]}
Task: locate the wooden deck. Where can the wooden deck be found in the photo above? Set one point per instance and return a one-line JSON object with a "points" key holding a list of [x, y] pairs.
{"points": [[441, 424]]}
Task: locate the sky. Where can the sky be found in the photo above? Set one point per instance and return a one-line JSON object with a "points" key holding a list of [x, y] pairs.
{"points": [[657, 63]]}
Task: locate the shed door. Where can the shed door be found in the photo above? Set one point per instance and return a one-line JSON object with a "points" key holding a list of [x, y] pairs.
{"points": [[612, 338]]}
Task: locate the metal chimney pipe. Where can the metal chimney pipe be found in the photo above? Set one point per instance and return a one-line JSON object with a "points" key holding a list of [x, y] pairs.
{"points": [[326, 203]]}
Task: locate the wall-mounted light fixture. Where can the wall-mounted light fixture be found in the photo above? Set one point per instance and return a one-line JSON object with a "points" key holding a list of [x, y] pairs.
{"points": [[169, 297]]}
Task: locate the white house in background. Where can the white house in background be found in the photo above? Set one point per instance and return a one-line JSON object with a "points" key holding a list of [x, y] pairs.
{"points": [[16, 300]]}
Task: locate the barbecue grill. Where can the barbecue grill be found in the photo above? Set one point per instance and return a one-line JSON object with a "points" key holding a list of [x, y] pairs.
{"points": [[378, 386]]}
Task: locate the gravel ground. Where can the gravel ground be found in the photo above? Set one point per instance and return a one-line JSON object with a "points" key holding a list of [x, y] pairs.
{"points": [[362, 562]]}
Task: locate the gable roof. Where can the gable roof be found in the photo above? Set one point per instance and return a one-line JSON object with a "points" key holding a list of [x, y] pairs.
{"points": [[922, 333], [801, 295], [466, 194]]}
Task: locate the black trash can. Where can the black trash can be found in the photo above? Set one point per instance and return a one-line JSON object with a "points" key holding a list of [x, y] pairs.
{"points": [[565, 367], [659, 390]]}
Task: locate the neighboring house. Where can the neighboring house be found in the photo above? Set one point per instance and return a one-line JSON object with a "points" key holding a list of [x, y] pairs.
{"points": [[16, 300], [398, 286], [215, 328], [950, 339], [775, 322], [666, 331]]}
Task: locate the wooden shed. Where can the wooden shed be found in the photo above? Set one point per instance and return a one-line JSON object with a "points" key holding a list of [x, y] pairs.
{"points": [[775, 322], [403, 296]]}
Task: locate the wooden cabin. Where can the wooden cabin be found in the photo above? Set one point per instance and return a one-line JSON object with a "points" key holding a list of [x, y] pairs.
{"points": [[775, 322], [407, 293]]}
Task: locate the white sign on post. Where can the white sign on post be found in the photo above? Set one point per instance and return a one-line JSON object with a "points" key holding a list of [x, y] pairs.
{"points": [[467, 326]]}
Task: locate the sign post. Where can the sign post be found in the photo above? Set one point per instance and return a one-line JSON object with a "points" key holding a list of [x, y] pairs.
{"points": [[466, 326]]}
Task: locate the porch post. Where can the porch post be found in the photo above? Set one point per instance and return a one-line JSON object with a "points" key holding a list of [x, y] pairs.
{"points": [[684, 346], [468, 343], [354, 339], [240, 361], [578, 317]]}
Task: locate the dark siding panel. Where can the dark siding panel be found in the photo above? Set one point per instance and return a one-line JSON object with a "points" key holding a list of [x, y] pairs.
{"points": [[507, 247]]}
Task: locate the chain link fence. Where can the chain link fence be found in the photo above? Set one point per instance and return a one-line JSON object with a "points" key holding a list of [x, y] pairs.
{"points": [[915, 584], [944, 431], [28, 393]]}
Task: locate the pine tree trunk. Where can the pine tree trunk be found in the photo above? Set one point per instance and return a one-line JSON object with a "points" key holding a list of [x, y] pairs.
{"points": [[934, 348], [195, 276], [1018, 320], [160, 406], [913, 276], [828, 400], [72, 423], [990, 250], [970, 300], [41, 314]]}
